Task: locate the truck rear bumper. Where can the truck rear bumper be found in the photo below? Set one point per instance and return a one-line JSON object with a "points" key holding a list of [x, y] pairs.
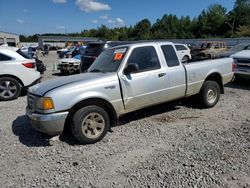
{"points": [[51, 124]]}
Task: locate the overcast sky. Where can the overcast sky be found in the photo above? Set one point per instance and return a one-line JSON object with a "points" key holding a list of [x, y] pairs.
{"points": [[60, 16]]}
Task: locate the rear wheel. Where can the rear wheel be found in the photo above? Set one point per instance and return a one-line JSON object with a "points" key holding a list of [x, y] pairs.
{"points": [[10, 88], [90, 124], [210, 94]]}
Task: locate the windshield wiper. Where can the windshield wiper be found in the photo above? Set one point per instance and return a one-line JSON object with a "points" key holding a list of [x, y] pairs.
{"points": [[96, 70]]}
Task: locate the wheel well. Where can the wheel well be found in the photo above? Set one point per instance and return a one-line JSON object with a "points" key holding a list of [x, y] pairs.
{"points": [[16, 78], [92, 101], [217, 78]]}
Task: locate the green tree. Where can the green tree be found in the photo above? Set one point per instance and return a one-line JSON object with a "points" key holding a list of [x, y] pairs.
{"points": [[166, 28], [142, 30], [239, 16], [211, 20], [243, 31]]}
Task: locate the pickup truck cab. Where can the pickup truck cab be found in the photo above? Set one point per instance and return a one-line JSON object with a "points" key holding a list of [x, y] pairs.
{"points": [[121, 80]]}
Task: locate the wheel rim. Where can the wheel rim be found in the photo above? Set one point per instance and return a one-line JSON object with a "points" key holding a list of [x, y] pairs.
{"points": [[93, 125], [211, 95], [7, 89]]}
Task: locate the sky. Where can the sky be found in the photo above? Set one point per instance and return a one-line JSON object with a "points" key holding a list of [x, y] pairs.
{"points": [[28, 17]]}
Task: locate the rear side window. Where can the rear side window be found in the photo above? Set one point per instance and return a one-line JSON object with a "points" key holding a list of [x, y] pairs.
{"points": [[145, 57], [4, 57], [170, 55], [217, 46], [180, 47]]}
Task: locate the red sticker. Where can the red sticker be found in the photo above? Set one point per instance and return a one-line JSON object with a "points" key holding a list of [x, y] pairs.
{"points": [[118, 56]]}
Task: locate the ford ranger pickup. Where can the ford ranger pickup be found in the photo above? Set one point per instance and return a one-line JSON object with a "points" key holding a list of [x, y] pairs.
{"points": [[121, 80]]}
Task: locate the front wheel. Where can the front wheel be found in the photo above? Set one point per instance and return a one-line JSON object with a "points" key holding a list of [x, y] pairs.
{"points": [[185, 59], [210, 94], [10, 88], [90, 124]]}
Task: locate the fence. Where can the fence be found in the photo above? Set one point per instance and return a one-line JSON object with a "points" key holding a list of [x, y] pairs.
{"points": [[27, 44], [228, 41]]}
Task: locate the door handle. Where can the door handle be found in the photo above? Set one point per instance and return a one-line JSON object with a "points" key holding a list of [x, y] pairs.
{"points": [[161, 75]]}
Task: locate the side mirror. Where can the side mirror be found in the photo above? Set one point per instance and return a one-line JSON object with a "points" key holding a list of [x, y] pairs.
{"points": [[133, 67]]}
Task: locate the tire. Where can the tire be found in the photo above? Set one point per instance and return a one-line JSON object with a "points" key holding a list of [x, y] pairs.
{"points": [[210, 94], [10, 88], [84, 124], [208, 56], [185, 59]]}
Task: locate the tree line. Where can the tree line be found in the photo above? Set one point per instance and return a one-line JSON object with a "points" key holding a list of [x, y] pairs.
{"points": [[215, 21]]}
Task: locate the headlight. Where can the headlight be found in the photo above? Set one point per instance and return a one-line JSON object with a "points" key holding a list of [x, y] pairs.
{"points": [[44, 103]]}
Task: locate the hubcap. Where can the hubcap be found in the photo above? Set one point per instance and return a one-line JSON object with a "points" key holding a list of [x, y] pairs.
{"points": [[211, 95], [93, 125], [7, 89]]}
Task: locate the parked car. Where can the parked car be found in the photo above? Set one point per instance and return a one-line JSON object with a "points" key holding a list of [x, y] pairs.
{"points": [[121, 80], [72, 51], [16, 73], [94, 49], [210, 49], [183, 52], [39, 64], [242, 61], [235, 49], [30, 51], [69, 66], [62, 50]]}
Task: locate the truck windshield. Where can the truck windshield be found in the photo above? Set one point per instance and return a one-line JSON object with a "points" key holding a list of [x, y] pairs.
{"points": [[109, 60]]}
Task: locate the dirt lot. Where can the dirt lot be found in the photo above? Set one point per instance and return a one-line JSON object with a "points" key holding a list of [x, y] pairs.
{"points": [[170, 145]]}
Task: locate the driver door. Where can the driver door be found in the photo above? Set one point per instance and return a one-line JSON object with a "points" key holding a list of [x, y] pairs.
{"points": [[145, 86]]}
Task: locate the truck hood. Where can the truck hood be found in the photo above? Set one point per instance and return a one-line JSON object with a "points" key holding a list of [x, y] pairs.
{"points": [[85, 78], [242, 54]]}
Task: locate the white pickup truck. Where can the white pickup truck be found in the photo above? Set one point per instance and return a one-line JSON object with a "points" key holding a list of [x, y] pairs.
{"points": [[121, 80]]}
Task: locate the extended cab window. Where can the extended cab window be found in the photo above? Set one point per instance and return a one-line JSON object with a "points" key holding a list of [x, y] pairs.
{"points": [[4, 57], [145, 57], [170, 55]]}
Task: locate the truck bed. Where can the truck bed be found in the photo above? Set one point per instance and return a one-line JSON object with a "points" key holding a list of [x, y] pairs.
{"points": [[197, 69]]}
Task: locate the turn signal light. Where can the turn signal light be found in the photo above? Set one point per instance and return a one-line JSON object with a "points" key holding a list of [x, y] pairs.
{"points": [[48, 104], [44, 103]]}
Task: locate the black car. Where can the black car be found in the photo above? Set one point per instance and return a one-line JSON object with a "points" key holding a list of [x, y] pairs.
{"points": [[94, 49]]}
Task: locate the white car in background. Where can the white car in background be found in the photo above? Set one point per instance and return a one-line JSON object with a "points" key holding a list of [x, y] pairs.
{"points": [[183, 52], [242, 61], [16, 72]]}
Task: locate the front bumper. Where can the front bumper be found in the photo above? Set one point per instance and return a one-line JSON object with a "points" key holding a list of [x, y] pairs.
{"points": [[245, 74], [51, 124]]}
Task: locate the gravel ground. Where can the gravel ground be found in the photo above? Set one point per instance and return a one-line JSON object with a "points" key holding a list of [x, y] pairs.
{"points": [[170, 145]]}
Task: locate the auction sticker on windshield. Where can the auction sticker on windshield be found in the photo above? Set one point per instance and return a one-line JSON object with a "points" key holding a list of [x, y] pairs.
{"points": [[119, 54]]}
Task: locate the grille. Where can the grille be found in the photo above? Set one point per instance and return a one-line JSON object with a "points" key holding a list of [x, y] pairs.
{"points": [[31, 101]]}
